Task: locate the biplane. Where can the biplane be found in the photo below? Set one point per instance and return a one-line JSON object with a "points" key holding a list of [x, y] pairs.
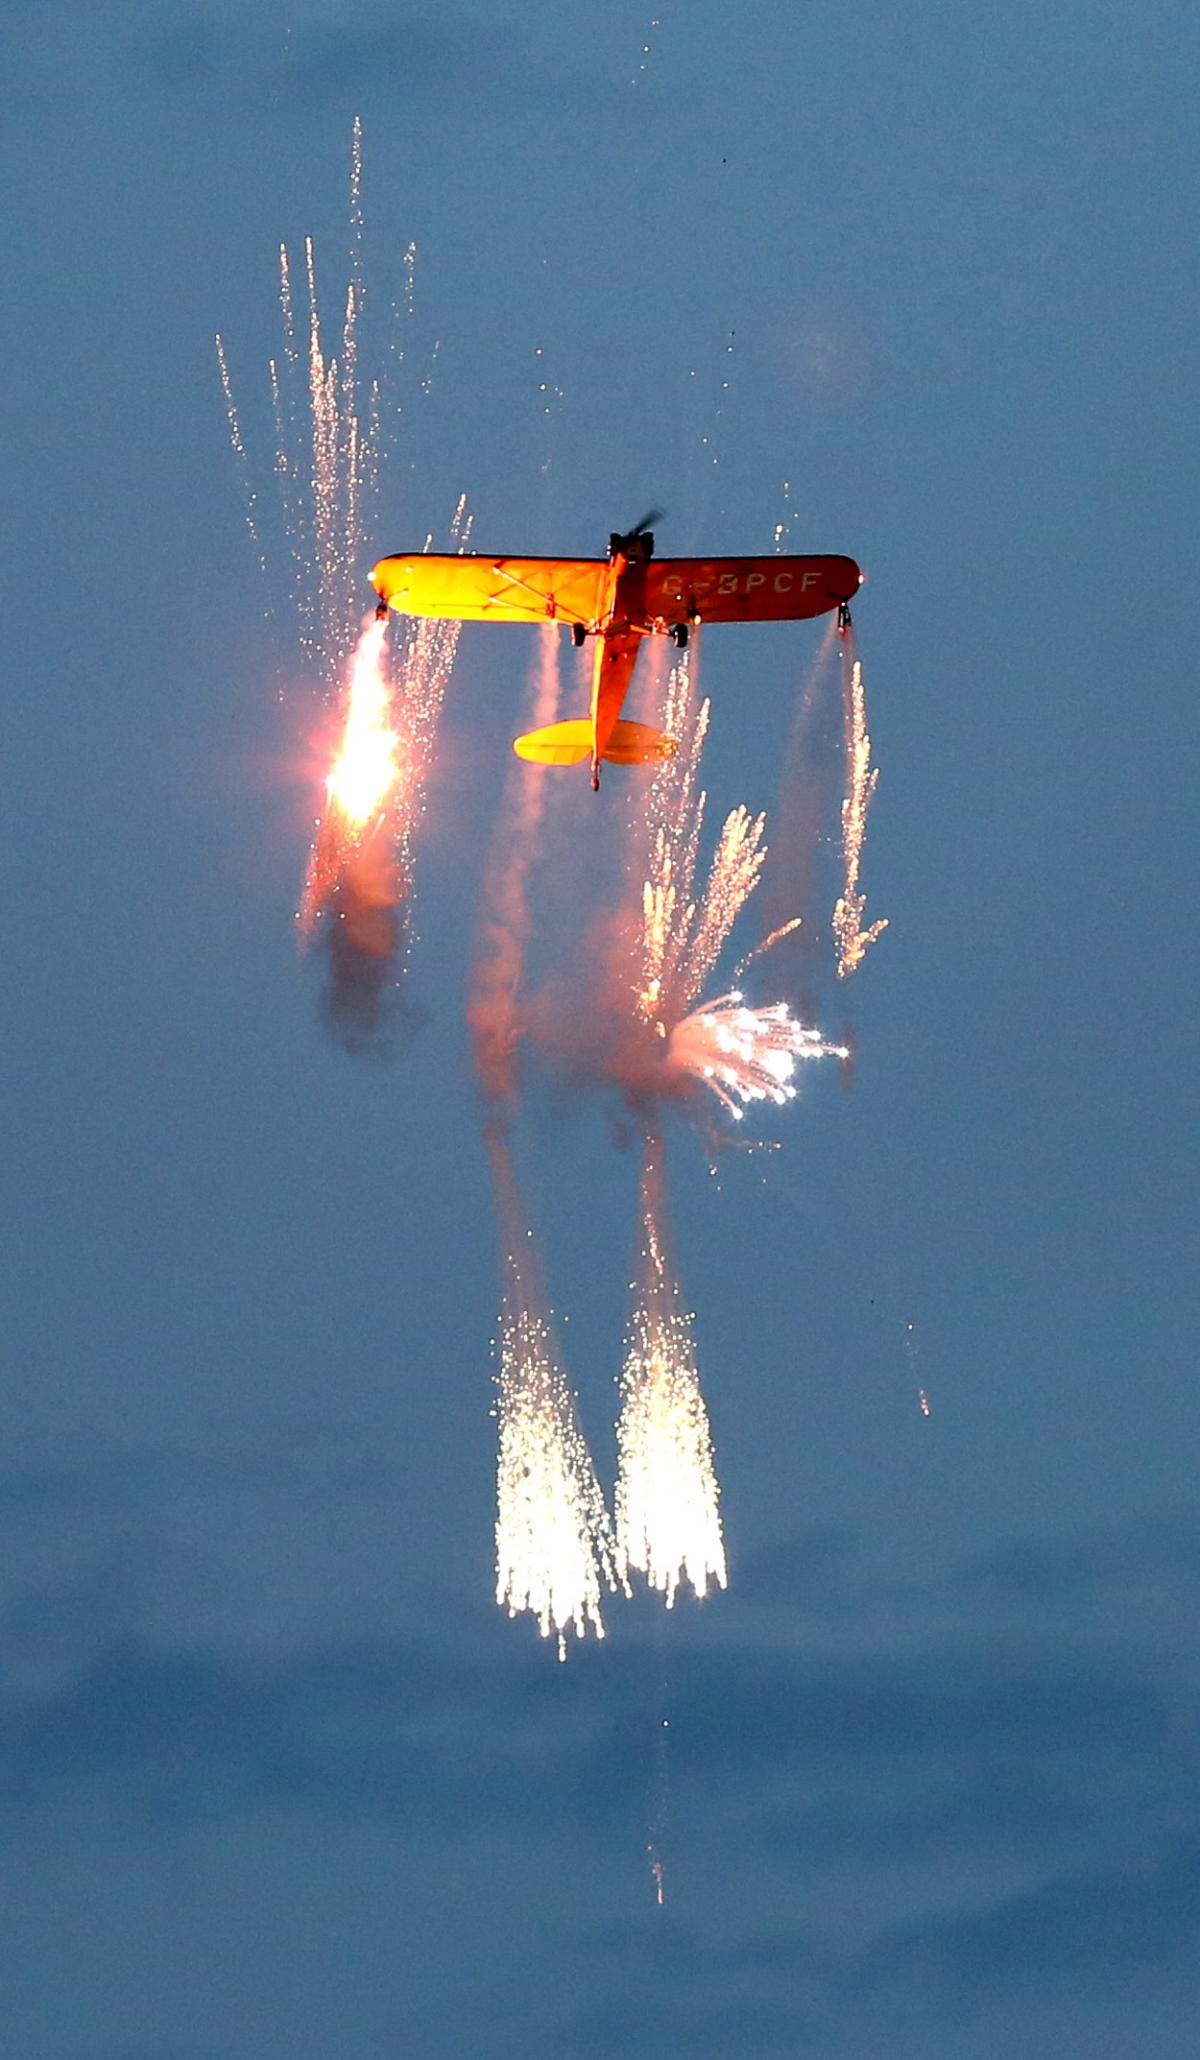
{"points": [[618, 600]]}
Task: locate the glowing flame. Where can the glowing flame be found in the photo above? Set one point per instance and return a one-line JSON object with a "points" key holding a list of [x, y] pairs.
{"points": [[366, 768], [668, 1520], [553, 1539]]}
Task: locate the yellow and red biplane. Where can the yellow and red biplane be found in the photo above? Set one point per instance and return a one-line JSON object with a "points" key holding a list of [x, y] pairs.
{"points": [[618, 600]]}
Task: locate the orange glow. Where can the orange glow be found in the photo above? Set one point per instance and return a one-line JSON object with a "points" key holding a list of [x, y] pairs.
{"points": [[366, 768]]}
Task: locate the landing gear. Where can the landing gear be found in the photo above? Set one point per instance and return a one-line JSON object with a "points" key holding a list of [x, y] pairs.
{"points": [[843, 619], [578, 634], [595, 779], [679, 635], [381, 612]]}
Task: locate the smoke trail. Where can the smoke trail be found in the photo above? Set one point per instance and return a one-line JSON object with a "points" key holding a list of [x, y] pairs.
{"points": [[811, 772], [238, 447], [861, 780], [492, 1008], [667, 1498], [554, 1545]]}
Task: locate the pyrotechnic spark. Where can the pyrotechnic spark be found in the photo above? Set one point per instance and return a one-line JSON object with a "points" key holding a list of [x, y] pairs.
{"points": [[365, 770], [641, 70], [776, 937], [742, 1054], [668, 1520], [363, 785], [861, 780], [554, 1544]]}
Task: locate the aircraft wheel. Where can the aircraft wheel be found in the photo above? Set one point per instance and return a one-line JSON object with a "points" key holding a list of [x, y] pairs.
{"points": [[679, 635], [578, 633]]}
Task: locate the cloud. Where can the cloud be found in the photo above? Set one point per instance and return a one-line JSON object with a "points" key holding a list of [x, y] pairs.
{"points": [[222, 59], [869, 1850], [233, 60]]}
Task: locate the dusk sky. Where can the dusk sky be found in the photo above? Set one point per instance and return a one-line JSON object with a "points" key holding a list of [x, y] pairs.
{"points": [[279, 1779]]}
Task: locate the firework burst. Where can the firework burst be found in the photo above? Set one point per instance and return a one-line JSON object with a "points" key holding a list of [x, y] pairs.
{"points": [[739, 1053]]}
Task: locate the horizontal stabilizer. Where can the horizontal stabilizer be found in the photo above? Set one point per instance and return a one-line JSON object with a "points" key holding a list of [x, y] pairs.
{"points": [[560, 743], [568, 743]]}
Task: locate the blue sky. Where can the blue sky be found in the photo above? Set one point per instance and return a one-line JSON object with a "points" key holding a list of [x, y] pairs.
{"points": [[279, 1780]]}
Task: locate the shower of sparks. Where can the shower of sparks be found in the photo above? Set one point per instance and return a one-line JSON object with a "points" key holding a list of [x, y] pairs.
{"points": [[329, 419], [668, 1520], [783, 526], [376, 784], [861, 780], [741, 1054], [365, 782], [554, 1544], [746, 1055]]}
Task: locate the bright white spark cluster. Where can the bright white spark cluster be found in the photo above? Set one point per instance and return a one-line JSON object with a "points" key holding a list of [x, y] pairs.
{"points": [[554, 1549], [745, 1054], [667, 1499]]}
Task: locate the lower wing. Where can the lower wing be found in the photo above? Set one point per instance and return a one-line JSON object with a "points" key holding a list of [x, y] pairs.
{"points": [[469, 587], [747, 589]]}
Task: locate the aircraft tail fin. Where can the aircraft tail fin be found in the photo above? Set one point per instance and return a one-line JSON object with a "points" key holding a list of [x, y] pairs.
{"points": [[635, 743], [568, 743]]}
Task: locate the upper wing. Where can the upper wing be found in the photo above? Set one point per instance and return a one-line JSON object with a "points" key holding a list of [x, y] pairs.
{"points": [[747, 589], [469, 587]]}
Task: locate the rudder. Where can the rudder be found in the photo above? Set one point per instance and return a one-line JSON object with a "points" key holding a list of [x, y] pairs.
{"points": [[635, 743]]}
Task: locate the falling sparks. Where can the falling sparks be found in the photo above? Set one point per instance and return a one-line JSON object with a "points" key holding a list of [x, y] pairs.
{"points": [[742, 1054], [238, 447], [851, 939], [329, 420], [505, 924], [667, 1514], [554, 1543], [746, 1055]]}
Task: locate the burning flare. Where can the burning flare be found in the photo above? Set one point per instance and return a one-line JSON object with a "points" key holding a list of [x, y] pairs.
{"points": [[357, 835], [365, 771], [668, 1520]]}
